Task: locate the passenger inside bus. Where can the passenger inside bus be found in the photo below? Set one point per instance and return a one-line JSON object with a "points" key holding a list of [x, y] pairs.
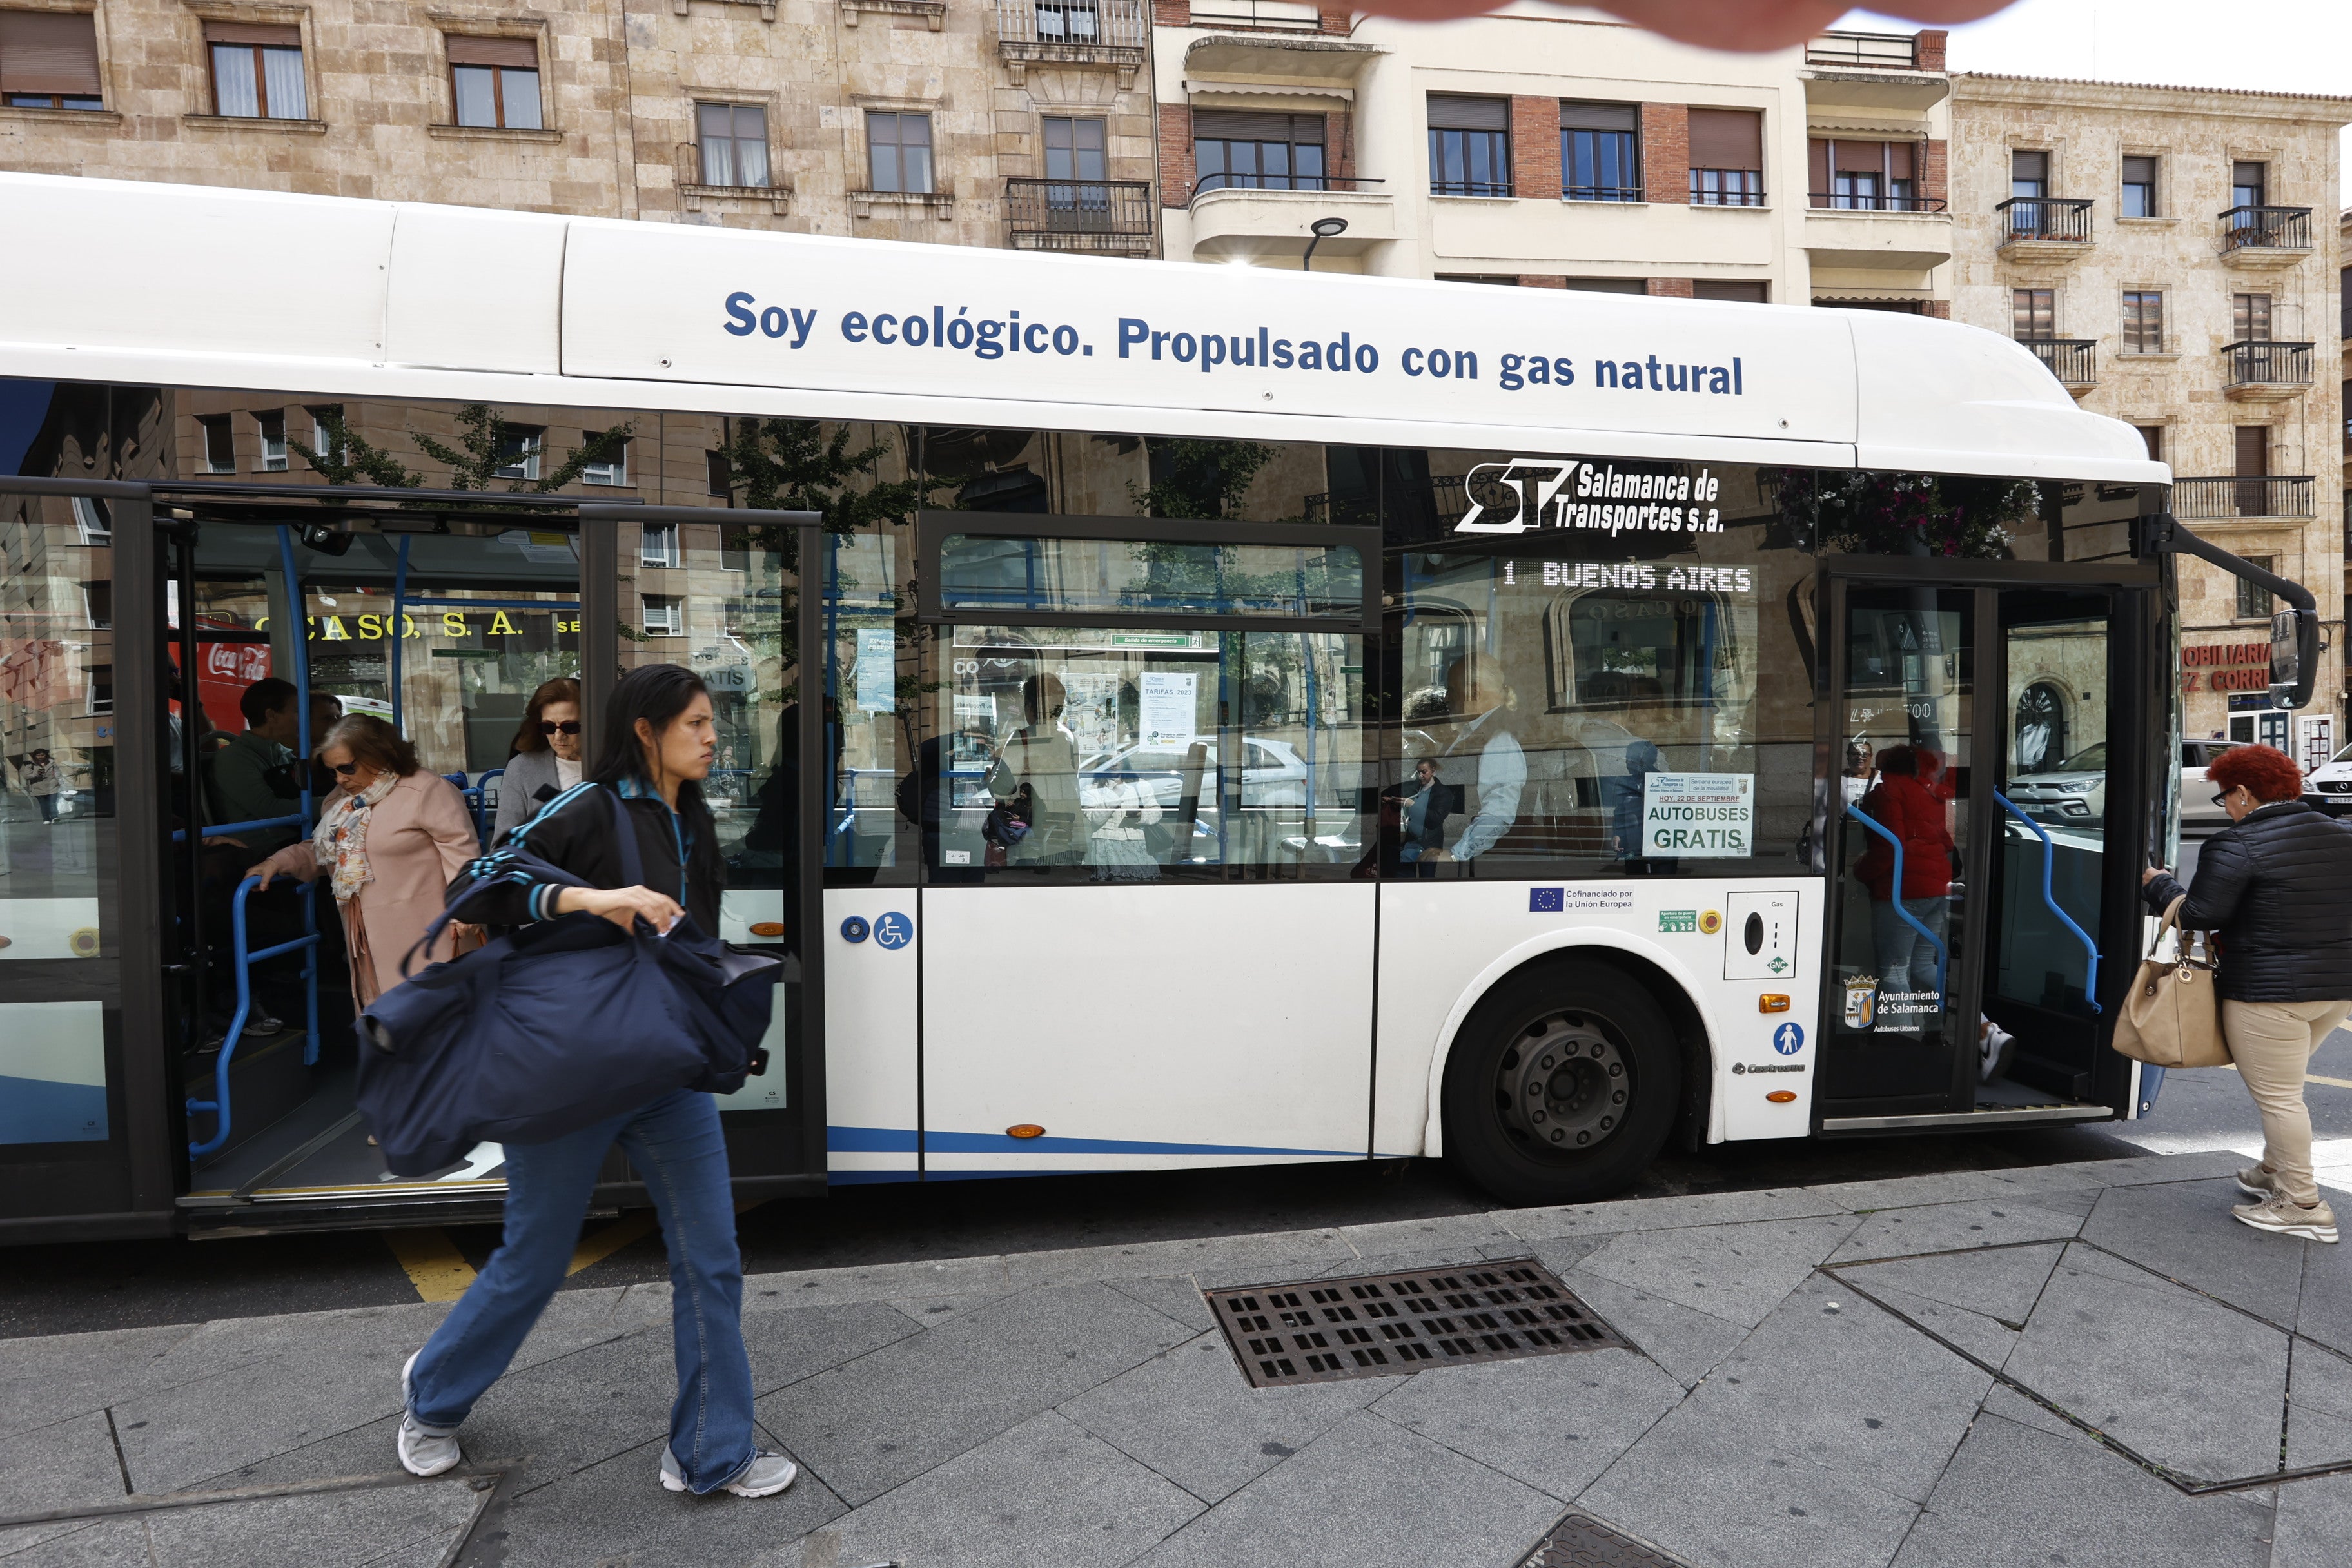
{"points": [[251, 778], [1483, 759], [546, 759], [1034, 782]]}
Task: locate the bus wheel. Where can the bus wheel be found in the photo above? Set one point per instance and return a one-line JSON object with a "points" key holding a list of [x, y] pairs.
{"points": [[1562, 1085]]}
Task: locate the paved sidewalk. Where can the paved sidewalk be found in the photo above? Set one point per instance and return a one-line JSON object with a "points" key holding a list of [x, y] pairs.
{"points": [[2081, 1364]]}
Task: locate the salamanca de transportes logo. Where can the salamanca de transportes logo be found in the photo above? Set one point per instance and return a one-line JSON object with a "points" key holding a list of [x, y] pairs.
{"points": [[1518, 494]]}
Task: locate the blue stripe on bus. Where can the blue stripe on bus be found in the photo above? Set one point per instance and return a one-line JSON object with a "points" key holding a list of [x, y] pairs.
{"points": [[903, 1140]]}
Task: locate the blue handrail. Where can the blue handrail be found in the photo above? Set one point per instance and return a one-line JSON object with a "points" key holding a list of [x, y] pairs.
{"points": [[219, 1105], [2048, 855], [1854, 810]]}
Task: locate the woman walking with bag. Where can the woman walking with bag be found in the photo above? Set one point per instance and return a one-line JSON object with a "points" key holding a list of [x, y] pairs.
{"points": [[2276, 889], [659, 744]]}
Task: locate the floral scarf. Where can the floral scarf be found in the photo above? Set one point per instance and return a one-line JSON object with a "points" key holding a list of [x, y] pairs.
{"points": [[341, 842]]}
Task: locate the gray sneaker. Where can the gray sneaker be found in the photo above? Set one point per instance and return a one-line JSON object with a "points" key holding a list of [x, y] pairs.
{"points": [[2256, 1183], [768, 1474], [423, 1450], [2282, 1215]]}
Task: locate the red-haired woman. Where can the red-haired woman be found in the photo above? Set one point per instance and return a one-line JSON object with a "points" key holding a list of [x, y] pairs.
{"points": [[2276, 889]]}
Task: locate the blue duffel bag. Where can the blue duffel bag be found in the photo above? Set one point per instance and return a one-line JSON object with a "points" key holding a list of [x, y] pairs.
{"points": [[555, 1026]]}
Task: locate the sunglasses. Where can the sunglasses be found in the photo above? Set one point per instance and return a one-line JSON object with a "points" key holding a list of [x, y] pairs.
{"points": [[549, 727], [345, 770]]}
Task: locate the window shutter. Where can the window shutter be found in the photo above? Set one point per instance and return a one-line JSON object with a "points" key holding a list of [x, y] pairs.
{"points": [[521, 54], [1240, 125], [1726, 138], [269, 33], [1592, 116], [1818, 154], [1861, 157], [48, 52], [1451, 113], [1899, 162]]}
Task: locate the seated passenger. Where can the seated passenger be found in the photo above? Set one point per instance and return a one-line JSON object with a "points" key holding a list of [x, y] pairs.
{"points": [[546, 760], [1117, 811], [252, 778], [1034, 778], [1488, 770]]}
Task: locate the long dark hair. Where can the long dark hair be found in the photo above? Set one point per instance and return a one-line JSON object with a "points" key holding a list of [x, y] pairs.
{"points": [[562, 688], [657, 693]]}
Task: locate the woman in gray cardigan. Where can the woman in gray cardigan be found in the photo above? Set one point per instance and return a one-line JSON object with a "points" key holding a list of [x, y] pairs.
{"points": [[547, 755]]}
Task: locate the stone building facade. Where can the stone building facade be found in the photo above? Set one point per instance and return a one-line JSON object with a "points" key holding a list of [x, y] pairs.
{"points": [[1549, 147], [2169, 253], [912, 120]]}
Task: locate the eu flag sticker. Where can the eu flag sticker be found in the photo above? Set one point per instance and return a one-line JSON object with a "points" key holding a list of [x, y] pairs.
{"points": [[1543, 900]]}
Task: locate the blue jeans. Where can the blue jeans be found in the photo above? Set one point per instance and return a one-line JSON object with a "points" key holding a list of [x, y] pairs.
{"points": [[1906, 961], [676, 1145]]}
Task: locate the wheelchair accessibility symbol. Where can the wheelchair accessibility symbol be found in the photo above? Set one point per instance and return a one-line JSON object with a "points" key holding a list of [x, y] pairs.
{"points": [[1788, 1040], [893, 931]]}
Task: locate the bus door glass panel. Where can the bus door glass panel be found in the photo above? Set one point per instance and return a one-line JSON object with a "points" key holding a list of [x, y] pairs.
{"points": [[861, 609], [445, 635], [721, 599], [1898, 1008], [2055, 773], [62, 1137]]}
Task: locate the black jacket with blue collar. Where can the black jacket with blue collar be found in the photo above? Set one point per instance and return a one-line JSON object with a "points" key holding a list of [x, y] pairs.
{"points": [[679, 851]]}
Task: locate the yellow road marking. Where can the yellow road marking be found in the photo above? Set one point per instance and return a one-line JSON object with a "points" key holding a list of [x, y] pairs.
{"points": [[611, 1239], [2310, 1077], [435, 1265]]}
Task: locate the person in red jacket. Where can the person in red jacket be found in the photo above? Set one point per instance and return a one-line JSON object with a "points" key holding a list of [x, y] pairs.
{"points": [[1910, 808]]}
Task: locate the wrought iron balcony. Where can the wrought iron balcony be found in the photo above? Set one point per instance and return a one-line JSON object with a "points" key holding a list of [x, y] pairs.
{"points": [[2269, 496], [1879, 51], [2265, 369], [2074, 361], [2285, 231], [1109, 216], [2044, 220]]}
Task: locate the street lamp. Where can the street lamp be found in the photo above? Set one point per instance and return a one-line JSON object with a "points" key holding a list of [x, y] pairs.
{"points": [[1322, 228]]}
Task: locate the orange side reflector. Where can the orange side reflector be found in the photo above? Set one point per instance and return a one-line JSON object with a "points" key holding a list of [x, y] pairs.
{"points": [[1026, 1130], [1771, 1002], [774, 927], [1782, 1096]]}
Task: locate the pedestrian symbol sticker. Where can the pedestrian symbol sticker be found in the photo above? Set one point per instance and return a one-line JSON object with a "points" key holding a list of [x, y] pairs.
{"points": [[1789, 1039], [893, 931]]}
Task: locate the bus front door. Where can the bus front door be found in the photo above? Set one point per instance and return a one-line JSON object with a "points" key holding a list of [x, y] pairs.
{"points": [[1988, 812]]}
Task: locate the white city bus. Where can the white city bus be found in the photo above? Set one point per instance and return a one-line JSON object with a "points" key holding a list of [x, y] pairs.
{"points": [[1266, 717]]}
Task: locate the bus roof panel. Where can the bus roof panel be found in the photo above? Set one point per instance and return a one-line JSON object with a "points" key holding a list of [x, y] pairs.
{"points": [[232, 288]]}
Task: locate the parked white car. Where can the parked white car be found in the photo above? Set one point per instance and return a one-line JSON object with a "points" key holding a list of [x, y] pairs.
{"points": [[2073, 794], [2329, 785], [2197, 807]]}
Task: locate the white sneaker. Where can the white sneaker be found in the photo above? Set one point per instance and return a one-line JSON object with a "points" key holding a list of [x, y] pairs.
{"points": [[423, 1450], [768, 1474], [2256, 1183], [1998, 1050], [2281, 1215]]}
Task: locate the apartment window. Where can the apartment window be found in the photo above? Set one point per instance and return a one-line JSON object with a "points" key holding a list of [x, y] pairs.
{"points": [[1068, 21], [2153, 434], [323, 434], [99, 699], [657, 546], [2143, 321], [733, 138], [48, 59], [612, 469], [92, 520], [1864, 176], [665, 615], [219, 443], [497, 82], [2140, 187], [1075, 151], [256, 71], [2254, 601], [1475, 278], [1601, 152], [2250, 318], [2254, 473], [1606, 285], [2250, 184], [1726, 153], [518, 451], [719, 475], [1234, 149], [2029, 176], [1469, 146], [2033, 314], [272, 428], [98, 603], [898, 150], [1741, 292]]}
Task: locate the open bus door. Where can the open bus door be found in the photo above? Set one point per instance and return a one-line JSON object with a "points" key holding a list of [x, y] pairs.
{"points": [[2001, 739], [218, 1064]]}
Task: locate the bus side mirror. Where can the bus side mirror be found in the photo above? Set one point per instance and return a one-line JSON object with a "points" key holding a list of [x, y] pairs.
{"points": [[2295, 657]]}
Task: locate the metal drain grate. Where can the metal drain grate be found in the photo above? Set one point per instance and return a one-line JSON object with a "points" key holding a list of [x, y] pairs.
{"points": [[1378, 1325], [1580, 1540]]}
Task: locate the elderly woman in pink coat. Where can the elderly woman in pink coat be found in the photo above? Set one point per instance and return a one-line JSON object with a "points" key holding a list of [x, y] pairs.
{"points": [[389, 839]]}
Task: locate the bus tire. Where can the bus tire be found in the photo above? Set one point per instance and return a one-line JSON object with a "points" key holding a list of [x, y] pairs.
{"points": [[1562, 1084]]}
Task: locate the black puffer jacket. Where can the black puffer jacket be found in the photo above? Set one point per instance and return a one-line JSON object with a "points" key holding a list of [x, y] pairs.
{"points": [[2277, 890]]}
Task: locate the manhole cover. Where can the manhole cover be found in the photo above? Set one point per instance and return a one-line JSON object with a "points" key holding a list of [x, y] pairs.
{"points": [[1378, 1325], [1580, 1540]]}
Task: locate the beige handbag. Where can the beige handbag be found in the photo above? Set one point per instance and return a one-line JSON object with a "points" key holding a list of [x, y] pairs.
{"points": [[2171, 1018]]}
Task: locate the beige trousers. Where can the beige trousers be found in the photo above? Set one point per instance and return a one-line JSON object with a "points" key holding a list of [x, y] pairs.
{"points": [[2272, 1043]]}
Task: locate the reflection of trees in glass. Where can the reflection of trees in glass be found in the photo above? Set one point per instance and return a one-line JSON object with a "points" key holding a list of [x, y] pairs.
{"points": [[486, 443], [1905, 514], [1203, 480]]}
